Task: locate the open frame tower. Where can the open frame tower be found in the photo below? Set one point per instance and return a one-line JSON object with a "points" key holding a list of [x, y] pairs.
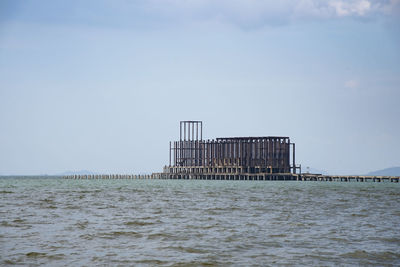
{"points": [[229, 155]]}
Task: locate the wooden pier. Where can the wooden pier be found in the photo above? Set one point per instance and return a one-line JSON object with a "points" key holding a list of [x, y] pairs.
{"points": [[241, 177], [347, 178], [267, 158]]}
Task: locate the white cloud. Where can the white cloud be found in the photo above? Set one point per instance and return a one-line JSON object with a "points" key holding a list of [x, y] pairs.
{"points": [[242, 13], [259, 12], [350, 8]]}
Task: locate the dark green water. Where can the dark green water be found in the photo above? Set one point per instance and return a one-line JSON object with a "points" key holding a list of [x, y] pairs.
{"points": [[56, 222]]}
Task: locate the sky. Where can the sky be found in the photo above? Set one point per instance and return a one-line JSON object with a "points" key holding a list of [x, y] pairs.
{"points": [[102, 85]]}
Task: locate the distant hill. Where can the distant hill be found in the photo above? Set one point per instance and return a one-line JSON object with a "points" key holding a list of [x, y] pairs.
{"points": [[394, 171], [81, 172]]}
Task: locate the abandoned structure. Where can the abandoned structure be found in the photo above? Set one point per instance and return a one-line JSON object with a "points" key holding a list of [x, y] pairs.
{"points": [[251, 157], [233, 158]]}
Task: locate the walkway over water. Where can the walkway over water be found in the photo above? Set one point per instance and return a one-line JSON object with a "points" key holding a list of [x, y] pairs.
{"points": [[243, 176]]}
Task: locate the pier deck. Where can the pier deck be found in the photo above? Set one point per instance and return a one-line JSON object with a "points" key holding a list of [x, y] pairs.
{"points": [[243, 176], [265, 158]]}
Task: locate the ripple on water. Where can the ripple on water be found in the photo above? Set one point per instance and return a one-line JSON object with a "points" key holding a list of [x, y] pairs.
{"points": [[115, 234], [6, 192], [35, 254], [139, 223], [82, 224], [373, 256], [185, 223]]}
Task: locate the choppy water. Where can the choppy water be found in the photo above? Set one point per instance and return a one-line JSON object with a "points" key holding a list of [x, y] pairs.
{"points": [[60, 222]]}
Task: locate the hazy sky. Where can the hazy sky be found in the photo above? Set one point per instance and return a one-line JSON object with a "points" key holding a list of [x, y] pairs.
{"points": [[102, 85]]}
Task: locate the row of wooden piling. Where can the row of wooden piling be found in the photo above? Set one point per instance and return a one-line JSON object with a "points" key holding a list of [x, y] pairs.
{"points": [[107, 176], [241, 176], [353, 178]]}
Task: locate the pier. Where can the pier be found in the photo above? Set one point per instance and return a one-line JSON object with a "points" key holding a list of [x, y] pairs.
{"points": [[265, 158], [242, 177]]}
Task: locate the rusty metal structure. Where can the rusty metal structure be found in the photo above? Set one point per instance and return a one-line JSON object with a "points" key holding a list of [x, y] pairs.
{"points": [[250, 155], [265, 158]]}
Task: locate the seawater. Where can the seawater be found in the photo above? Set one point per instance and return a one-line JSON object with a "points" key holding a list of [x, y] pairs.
{"points": [[58, 222]]}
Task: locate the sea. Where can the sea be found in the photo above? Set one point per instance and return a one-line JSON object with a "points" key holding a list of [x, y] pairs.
{"points": [[50, 221]]}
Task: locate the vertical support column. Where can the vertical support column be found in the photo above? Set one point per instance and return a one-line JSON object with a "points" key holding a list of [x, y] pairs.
{"points": [[198, 156], [276, 153], [195, 153], [210, 159], [187, 145], [201, 152], [224, 157], [257, 155], [170, 154], [258, 152], [180, 131], [201, 133], [264, 152], [279, 157], [208, 153], [294, 158], [216, 152], [211, 153], [240, 152], [175, 154], [192, 143], [192, 131], [267, 152], [271, 152], [288, 153], [255, 152], [243, 153], [192, 148], [246, 152], [237, 152], [197, 131], [184, 130], [206, 147], [230, 152], [179, 152], [220, 152], [280, 154], [284, 158], [249, 151]]}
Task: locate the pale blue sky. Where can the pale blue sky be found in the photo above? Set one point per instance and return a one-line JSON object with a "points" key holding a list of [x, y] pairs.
{"points": [[102, 85]]}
